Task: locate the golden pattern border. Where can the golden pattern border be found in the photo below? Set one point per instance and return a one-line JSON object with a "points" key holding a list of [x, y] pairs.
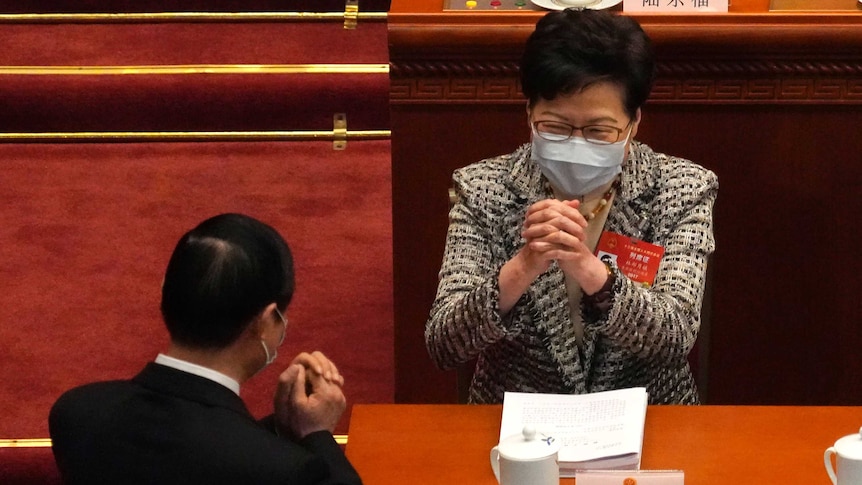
{"points": [[754, 91], [784, 90], [811, 67], [448, 90]]}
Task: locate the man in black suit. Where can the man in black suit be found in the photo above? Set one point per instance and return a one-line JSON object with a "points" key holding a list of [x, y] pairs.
{"points": [[181, 420]]}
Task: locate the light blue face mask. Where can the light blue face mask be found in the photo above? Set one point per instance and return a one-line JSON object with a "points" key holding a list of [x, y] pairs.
{"points": [[575, 166]]}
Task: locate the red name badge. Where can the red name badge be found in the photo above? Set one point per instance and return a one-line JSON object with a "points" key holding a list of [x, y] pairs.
{"points": [[636, 259]]}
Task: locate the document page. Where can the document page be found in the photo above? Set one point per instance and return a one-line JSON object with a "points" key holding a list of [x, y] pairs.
{"points": [[588, 426]]}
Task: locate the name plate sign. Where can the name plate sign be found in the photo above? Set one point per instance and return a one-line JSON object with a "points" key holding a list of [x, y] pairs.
{"points": [[676, 6], [631, 477]]}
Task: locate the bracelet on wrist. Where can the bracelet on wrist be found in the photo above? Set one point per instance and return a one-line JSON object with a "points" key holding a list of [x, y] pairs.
{"points": [[600, 302]]}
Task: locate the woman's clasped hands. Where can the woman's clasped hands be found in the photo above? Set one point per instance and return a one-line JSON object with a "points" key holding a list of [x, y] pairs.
{"points": [[555, 230]]}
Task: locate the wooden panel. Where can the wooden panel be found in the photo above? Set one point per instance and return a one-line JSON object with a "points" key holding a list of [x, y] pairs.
{"points": [[770, 101], [425, 158], [783, 319]]}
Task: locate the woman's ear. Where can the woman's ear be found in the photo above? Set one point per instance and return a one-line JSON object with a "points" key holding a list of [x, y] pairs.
{"points": [[635, 123]]}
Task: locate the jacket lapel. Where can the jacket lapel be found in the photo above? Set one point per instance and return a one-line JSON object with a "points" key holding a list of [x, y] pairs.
{"points": [[629, 214]]}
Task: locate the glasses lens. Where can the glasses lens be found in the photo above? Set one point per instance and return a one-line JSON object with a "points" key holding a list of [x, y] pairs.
{"points": [[554, 131], [601, 134]]}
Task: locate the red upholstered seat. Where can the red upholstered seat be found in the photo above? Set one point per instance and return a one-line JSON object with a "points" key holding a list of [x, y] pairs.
{"points": [[193, 76], [28, 466], [88, 227]]}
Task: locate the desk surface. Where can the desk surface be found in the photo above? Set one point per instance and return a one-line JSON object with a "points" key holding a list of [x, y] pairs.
{"points": [[727, 445]]}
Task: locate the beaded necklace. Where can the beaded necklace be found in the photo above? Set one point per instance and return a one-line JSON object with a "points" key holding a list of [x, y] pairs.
{"points": [[604, 200]]}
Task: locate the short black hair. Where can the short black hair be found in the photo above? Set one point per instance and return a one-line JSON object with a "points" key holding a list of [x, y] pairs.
{"points": [[572, 49], [220, 276]]}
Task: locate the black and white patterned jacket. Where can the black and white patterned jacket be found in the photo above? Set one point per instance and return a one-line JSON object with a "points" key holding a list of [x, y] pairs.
{"points": [[644, 339]]}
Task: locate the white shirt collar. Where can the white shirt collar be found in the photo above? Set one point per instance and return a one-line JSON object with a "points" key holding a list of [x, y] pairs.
{"points": [[199, 370]]}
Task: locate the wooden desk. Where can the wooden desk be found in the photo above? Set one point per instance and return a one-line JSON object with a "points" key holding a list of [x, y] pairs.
{"points": [[726, 445], [770, 101]]}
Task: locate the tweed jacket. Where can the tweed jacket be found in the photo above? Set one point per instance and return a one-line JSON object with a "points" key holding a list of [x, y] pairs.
{"points": [[645, 337]]}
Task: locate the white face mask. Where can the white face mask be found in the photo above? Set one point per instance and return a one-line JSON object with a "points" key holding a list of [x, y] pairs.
{"points": [[271, 358], [575, 166]]}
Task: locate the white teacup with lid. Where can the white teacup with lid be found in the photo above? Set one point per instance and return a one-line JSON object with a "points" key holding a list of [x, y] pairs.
{"points": [[529, 458], [848, 458], [576, 3]]}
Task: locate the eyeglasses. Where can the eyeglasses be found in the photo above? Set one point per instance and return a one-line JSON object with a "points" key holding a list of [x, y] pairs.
{"points": [[598, 134], [283, 319]]}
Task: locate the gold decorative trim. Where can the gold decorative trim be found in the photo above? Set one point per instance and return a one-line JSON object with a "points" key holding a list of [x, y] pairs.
{"points": [[747, 67], [155, 17], [339, 130], [196, 136], [26, 443], [351, 14], [197, 69], [757, 91], [783, 90], [455, 90], [341, 439]]}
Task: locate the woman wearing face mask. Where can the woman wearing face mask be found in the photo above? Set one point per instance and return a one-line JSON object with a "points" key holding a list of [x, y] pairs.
{"points": [[522, 289]]}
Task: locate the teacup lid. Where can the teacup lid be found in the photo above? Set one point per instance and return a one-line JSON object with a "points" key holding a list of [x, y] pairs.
{"points": [[850, 446], [529, 445]]}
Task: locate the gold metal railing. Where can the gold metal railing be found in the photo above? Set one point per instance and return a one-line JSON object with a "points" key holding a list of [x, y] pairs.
{"points": [[156, 17], [196, 69], [114, 136], [341, 439]]}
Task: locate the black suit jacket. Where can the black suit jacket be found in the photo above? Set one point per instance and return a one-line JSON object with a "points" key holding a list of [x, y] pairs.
{"points": [[169, 427]]}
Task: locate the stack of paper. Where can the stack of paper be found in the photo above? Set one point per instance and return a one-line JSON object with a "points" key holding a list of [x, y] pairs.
{"points": [[602, 430]]}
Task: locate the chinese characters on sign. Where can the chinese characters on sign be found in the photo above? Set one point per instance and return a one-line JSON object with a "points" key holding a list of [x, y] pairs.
{"points": [[638, 260], [675, 6]]}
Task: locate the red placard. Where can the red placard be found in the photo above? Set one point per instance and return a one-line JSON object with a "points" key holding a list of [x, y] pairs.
{"points": [[638, 260]]}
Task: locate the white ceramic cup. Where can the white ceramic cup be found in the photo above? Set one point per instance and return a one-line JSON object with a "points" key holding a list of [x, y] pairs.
{"points": [[526, 459], [848, 460], [575, 3]]}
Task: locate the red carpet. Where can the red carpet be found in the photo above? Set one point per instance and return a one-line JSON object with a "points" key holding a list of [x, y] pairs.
{"points": [[86, 230]]}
